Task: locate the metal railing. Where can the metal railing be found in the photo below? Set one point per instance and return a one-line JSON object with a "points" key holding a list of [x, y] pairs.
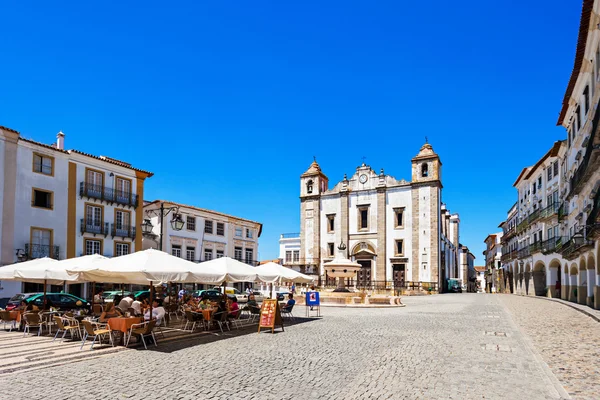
{"points": [[101, 229], [396, 285], [534, 216], [550, 211], [579, 177], [535, 247], [524, 252], [41, 250], [592, 218], [103, 193], [549, 246], [124, 231]]}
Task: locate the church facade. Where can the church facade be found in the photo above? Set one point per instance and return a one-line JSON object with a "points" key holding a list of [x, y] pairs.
{"points": [[399, 231]]}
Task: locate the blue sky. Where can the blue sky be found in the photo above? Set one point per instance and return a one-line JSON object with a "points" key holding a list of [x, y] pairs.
{"points": [[227, 102]]}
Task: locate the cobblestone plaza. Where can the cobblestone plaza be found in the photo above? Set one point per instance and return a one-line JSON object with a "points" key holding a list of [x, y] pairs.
{"points": [[464, 346]]}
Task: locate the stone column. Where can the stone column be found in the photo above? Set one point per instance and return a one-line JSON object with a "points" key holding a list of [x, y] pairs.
{"points": [[9, 169], [582, 295], [597, 296], [380, 266]]}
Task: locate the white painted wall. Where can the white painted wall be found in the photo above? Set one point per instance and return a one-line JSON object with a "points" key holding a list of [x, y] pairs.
{"points": [[396, 198]]}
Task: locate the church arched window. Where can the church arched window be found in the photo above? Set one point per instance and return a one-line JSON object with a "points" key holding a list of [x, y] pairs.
{"points": [[309, 186], [424, 170]]}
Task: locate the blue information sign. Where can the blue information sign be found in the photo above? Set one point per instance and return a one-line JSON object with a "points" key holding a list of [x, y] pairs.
{"points": [[312, 299]]}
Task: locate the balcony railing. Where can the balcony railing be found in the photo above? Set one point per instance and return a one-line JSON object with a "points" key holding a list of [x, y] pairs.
{"points": [[522, 225], [109, 195], [550, 211], [41, 250], [124, 231], [570, 250], [549, 246], [101, 229], [583, 171], [524, 252], [534, 216], [535, 247], [593, 217]]}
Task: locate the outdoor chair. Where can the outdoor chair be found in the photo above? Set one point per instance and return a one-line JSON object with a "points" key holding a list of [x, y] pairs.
{"points": [[237, 321], [89, 330], [160, 322], [221, 318], [190, 318], [254, 312], [71, 327], [144, 330], [48, 320], [172, 310], [7, 319], [287, 312], [97, 309], [33, 320]]}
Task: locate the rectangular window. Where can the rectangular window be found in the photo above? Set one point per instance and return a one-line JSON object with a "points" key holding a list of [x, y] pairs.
{"points": [[534, 187], [577, 120], [190, 223], [399, 247], [93, 218], [249, 256], [550, 233], [549, 174], [43, 164], [94, 179], [288, 256], [92, 247], [330, 249], [42, 199], [122, 222], [220, 253], [123, 190], [296, 256], [238, 232], [249, 234], [41, 243], [586, 98], [190, 253], [220, 229], [208, 254], [399, 217], [237, 253], [176, 250], [363, 217], [208, 227], [330, 223], [555, 168], [121, 249]]}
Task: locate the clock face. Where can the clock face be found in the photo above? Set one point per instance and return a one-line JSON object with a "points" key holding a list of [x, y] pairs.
{"points": [[363, 178]]}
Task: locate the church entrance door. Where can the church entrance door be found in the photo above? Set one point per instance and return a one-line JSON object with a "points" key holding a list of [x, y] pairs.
{"points": [[363, 276]]}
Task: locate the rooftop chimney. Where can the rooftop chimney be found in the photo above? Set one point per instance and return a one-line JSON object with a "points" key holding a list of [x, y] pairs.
{"points": [[60, 140]]}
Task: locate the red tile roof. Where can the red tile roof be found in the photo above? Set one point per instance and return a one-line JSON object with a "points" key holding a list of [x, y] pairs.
{"points": [[584, 25], [8, 129]]}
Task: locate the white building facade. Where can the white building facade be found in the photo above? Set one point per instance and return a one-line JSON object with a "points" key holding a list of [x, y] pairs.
{"points": [[205, 235], [399, 231], [64, 203]]}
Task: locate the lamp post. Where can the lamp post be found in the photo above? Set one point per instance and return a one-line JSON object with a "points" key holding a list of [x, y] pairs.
{"points": [[176, 223]]}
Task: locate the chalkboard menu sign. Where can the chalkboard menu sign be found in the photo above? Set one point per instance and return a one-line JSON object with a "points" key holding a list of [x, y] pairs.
{"points": [[270, 315]]}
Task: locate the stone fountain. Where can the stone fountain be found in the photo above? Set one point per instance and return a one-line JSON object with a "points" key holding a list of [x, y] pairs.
{"points": [[342, 268]]}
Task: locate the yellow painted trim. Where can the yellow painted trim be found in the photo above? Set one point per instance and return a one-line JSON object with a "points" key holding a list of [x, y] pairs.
{"points": [[72, 211], [86, 239], [31, 229], [139, 210], [35, 153], [33, 189]]}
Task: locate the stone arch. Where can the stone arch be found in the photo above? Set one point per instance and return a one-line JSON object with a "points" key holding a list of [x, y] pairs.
{"points": [[527, 277], [565, 290], [573, 272], [539, 279], [582, 271], [591, 278]]}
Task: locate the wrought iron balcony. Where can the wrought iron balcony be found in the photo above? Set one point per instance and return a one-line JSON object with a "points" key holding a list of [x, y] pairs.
{"points": [[550, 211], [571, 250], [591, 157], [524, 252], [535, 247], [124, 231], [101, 229], [103, 193], [41, 250], [522, 225], [549, 246], [534, 216]]}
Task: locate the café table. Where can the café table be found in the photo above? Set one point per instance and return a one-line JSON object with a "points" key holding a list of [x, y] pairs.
{"points": [[15, 315], [122, 325]]}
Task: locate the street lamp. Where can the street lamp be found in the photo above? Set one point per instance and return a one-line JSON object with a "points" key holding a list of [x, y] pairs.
{"points": [[176, 223]]}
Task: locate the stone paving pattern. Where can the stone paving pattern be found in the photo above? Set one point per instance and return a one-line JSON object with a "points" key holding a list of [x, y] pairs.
{"points": [[568, 341], [463, 346]]}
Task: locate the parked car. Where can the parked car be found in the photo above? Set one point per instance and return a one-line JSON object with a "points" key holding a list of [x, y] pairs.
{"points": [[142, 294], [15, 301], [212, 294], [241, 297], [63, 301], [258, 296]]}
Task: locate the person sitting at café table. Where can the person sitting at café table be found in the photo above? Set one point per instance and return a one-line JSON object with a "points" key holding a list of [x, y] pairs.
{"points": [[205, 303], [158, 312], [290, 303], [233, 308], [221, 308], [137, 306], [99, 297], [110, 312]]}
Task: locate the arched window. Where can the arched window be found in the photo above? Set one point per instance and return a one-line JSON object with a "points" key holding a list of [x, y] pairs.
{"points": [[424, 170], [309, 186]]}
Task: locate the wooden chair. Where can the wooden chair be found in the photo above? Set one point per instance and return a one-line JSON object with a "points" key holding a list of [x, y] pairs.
{"points": [[7, 319], [71, 327], [95, 333], [144, 330], [97, 309], [33, 320]]}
